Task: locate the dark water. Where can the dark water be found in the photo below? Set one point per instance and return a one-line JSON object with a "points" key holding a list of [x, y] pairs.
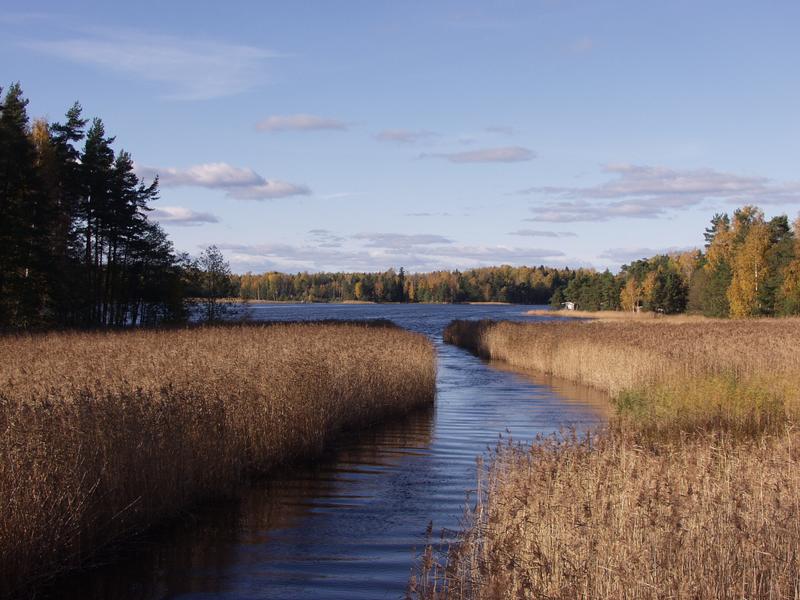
{"points": [[351, 526]]}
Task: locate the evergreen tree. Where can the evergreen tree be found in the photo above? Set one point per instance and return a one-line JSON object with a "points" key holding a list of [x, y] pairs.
{"points": [[76, 247], [22, 219]]}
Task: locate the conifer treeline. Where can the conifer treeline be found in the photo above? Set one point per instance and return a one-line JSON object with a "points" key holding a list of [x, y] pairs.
{"points": [[76, 246], [750, 267]]}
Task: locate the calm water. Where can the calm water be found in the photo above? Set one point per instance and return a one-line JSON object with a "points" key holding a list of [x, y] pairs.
{"points": [[351, 526]]}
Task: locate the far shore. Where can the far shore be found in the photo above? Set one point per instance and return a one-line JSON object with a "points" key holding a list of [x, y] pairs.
{"points": [[232, 300]]}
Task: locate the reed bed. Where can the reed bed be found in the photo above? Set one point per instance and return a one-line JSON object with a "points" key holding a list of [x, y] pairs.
{"points": [[618, 315], [603, 518], [616, 356], [692, 492], [103, 434]]}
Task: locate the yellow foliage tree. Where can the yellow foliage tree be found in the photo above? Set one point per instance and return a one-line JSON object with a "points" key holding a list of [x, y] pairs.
{"points": [[649, 287], [630, 296], [721, 249], [750, 270], [686, 263]]}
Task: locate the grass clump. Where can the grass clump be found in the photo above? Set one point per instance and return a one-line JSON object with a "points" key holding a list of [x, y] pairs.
{"points": [[103, 434]]}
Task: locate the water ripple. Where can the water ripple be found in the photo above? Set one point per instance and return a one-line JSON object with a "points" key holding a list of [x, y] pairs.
{"points": [[352, 525]]}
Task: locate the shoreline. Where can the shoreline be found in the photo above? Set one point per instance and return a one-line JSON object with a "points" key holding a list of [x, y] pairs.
{"points": [[231, 300]]}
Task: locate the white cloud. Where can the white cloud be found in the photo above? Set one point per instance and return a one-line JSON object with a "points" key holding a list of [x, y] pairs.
{"points": [[210, 175], [403, 136], [269, 190], [189, 69], [646, 192], [181, 216], [240, 183], [324, 238], [506, 154], [583, 211], [300, 122], [400, 240], [626, 255], [541, 233]]}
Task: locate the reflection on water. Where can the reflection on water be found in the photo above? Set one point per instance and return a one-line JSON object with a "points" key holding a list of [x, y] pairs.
{"points": [[351, 525], [566, 390]]}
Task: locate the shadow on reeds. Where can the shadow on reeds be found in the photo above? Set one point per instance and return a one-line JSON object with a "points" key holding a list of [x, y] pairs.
{"points": [[105, 434], [196, 550]]}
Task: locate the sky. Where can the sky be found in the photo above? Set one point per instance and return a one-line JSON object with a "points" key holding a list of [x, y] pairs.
{"points": [[363, 135]]}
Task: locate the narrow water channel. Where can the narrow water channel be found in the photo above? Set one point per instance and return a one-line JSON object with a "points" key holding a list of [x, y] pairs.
{"points": [[350, 526]]}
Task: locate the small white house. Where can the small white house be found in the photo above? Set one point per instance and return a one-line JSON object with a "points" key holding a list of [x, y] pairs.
{"points": [[568, 305]]}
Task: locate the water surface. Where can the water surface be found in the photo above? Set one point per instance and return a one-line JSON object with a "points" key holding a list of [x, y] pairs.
{"points": [[351, 525]]}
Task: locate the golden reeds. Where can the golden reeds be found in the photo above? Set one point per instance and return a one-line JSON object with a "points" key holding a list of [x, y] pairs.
{"points": [[604, 518], [692, 492], [616, 356], [102, 434], [619, 315]]}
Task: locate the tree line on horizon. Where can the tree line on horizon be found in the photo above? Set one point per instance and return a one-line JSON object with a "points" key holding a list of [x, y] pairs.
{"points": [[77, 248], [750, 266], [519, 285]]}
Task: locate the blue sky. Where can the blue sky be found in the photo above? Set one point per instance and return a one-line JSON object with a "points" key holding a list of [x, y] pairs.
{"points": [[367, 135]]}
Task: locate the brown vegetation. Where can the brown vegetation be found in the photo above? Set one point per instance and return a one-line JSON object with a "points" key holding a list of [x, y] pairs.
{"points": [[693, 491], [102, 434], [618, 315], [607, 519], [616, 356]]}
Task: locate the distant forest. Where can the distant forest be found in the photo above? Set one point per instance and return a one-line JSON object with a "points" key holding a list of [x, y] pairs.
{"points": [[77, 249], [750, 266]]}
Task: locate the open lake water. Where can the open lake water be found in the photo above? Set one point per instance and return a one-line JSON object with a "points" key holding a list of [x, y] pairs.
{"points": [[353, 524]]}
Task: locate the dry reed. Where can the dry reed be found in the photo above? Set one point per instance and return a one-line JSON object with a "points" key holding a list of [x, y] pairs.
{"points": [[693, 492], [102, 434], [603, 518], [616, 356], [619, 315]]}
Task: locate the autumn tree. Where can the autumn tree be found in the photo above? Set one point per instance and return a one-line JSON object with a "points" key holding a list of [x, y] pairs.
{"points": [[749, 267], [630, 297]]}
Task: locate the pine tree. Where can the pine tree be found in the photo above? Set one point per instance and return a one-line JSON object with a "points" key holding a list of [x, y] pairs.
{"points": [[719, 255], [22, 219]]}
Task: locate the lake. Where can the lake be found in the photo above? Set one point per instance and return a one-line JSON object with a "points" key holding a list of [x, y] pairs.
{"points": [[351, 525]]}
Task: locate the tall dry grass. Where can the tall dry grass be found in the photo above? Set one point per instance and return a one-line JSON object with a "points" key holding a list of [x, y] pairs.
{"points": [[608, 519], [616, 356], [102, 434], [618, 315], [692, 492]]}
